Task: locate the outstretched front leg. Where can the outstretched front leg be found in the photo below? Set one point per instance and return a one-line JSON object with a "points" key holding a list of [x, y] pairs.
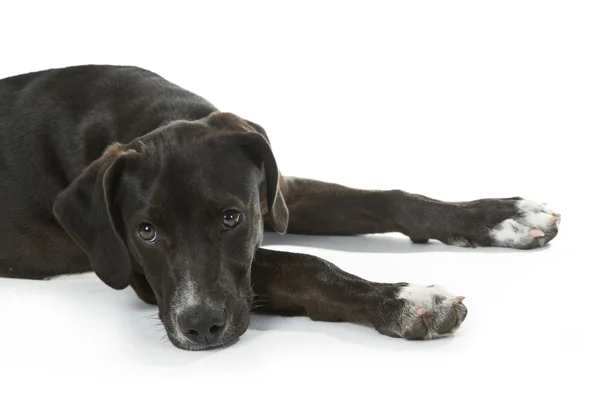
{"points": [[300, 284], [320, 208]]}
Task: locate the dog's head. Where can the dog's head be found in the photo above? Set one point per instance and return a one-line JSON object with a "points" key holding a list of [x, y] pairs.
{"points": [[180, 209]]}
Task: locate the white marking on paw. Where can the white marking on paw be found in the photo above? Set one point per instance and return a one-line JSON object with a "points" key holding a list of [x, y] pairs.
{"points": [[510, 231], [517, 231], [422, 295], [422, 301], [417, 294]]}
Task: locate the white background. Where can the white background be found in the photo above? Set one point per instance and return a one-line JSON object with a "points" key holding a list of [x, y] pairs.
{"points": [[452, 99]]}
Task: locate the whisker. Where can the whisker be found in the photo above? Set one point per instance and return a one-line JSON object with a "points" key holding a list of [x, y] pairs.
{"points": [[151, 316]]}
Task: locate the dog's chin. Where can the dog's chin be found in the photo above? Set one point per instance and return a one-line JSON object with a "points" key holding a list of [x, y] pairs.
{"points": [[191, 346]]}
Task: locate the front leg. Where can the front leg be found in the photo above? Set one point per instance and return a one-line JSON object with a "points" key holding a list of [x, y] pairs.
{"points": [[321, 208], [300, 284]]}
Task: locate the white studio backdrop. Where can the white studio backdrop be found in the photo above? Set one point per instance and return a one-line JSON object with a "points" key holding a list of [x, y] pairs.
{"points": [[454, 100]]}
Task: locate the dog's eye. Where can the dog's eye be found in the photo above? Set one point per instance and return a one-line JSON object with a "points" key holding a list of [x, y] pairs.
{"points": [[147, 232], [231, 219]]}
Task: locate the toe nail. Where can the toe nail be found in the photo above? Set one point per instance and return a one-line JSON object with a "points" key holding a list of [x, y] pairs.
{"points": [[536, 233], [421, 311], [458, 300], [556, 214]]}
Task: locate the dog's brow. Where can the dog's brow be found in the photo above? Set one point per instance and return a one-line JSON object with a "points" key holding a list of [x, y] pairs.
{"points": [[225, 201]]}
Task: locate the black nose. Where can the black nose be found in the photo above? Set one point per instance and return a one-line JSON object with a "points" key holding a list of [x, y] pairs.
{"points": [[202, 325]]}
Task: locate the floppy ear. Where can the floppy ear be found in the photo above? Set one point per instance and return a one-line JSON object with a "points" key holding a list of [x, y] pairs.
{"points": [[87, 211], [278, 211]]}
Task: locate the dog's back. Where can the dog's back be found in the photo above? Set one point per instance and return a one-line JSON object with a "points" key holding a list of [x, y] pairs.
{"points": [[52, 125]]}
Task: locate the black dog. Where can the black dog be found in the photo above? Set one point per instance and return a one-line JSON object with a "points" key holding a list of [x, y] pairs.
{"points": [[120, 171]]}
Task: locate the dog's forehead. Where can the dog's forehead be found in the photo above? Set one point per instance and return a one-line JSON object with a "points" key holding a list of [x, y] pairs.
{"points": [[218, 165], [194, 174]]}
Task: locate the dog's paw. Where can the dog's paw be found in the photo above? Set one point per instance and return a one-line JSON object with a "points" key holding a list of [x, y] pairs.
{"points": [[533, 225], [425, 312], [513, 222]]}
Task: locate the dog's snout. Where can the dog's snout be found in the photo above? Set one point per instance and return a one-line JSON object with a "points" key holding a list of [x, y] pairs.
{"points": [[202, 325]]}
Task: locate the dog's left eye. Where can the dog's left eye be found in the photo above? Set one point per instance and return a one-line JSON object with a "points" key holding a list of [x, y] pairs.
{"points": [[147, 232], [231, 219]]}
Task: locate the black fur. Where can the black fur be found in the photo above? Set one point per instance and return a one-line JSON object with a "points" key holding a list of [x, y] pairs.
{"points": [[91, 153]]}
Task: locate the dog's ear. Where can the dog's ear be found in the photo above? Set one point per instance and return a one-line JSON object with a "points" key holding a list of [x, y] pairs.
{"points": [[87, 211], [253, 136], [258, 145]]}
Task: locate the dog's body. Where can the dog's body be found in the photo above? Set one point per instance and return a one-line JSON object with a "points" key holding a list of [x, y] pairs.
{"points": [[90, 152]]}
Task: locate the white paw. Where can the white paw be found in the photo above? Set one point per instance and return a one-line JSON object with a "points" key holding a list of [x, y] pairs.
{"points": [[428, 312], [534, 225]]}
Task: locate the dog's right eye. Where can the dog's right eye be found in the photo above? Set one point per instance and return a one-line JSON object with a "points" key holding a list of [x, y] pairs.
{"points": [[147, 232], [231, 219]]}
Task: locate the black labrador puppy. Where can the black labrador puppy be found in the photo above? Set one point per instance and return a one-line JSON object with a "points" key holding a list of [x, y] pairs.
{"points": [[115, 169]]}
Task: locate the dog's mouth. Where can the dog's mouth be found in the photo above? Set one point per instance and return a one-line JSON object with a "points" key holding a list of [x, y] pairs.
{"points": [[188, 345]]}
